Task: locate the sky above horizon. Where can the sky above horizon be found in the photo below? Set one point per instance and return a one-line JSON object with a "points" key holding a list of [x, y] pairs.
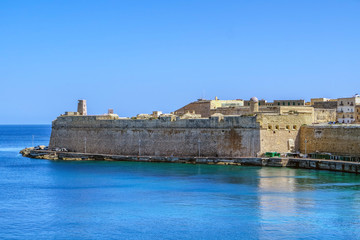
{"points": [[141, 56]]}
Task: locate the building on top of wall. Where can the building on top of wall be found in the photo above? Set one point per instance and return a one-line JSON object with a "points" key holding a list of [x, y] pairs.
{"points": [[207, 108], [324, 109], [261, 103], [300, 102], [346, 109], [203, 107], [316, 100]]}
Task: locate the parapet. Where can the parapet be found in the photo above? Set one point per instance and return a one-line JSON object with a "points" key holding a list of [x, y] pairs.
{"points": [[164, 121], [72, 114]]}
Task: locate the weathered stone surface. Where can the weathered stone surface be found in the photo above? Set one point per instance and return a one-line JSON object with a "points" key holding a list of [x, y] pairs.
{"points": [[232, 136], [338, 139], [217, 136]]}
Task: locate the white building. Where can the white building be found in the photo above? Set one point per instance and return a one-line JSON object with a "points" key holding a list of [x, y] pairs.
{"points": [[346, 109]]}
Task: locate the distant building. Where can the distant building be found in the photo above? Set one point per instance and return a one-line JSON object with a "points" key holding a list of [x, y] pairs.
{"points": [[203, 107], [323, 113], [316, 100], [261, 102], [346, 109], [324, 109], [300, 102]]}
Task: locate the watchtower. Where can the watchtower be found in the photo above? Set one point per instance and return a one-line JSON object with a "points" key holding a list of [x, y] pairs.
{"points": [[82, 109], [254, 105]]}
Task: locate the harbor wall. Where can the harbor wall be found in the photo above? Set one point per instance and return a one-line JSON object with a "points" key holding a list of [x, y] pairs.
{"points": [[316, 164], [229, 136], [337, 139]]}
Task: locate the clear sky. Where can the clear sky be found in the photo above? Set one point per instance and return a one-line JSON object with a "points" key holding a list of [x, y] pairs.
{"points": [[137, 56]]}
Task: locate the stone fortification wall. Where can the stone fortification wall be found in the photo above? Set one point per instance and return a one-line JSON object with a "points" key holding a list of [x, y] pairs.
{"points": [[280, 133], [232, 136], [335, 139]]}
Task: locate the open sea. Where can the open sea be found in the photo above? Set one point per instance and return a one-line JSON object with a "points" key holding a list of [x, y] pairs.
{"points": [[42, 199]]}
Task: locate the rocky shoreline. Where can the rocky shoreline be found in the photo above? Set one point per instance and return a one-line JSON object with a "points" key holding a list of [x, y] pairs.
{"points": [[317, 164]]}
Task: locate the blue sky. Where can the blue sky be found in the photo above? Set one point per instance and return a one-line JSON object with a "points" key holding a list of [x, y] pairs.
{"points": [[140, 56]]}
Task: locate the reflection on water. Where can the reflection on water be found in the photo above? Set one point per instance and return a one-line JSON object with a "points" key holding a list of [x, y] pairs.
{"points": [[276, 189], [277, 198], [273, 180]]}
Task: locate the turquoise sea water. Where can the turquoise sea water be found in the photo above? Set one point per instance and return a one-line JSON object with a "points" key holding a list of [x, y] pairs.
{"points": [[41, 199]]}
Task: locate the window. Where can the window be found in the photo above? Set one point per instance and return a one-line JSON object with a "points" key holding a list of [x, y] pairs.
{"points": [[294, 127], [294, 103], [277, 127], [289, 103], [269, 127], [278, 103], [287, 127]]}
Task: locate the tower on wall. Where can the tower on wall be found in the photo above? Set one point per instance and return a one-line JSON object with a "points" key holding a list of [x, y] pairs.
{"points": [[82, 109], [254, 105]]}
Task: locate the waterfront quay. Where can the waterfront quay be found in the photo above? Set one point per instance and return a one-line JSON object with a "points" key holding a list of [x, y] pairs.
{"points": [[304, 163]]}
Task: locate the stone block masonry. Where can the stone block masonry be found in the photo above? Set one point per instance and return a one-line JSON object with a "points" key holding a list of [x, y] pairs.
{"points": [[231, 136], [337, 139]]}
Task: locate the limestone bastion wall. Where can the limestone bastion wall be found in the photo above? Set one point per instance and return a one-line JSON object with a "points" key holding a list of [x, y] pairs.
{"points": [[280, 133], [338, 139], [232, 136]]}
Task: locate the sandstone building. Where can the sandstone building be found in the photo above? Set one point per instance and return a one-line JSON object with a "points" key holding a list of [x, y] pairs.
{"points": [[203, 107], [322, 111], [346, 109]]}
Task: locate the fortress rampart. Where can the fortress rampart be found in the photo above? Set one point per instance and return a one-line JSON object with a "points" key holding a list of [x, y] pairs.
{"points": [[217, 136], [189, 135], [336, 139], [230, 136]]}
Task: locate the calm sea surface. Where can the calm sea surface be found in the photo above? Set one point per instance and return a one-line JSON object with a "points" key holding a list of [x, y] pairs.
{"points": [[41, 199]]}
